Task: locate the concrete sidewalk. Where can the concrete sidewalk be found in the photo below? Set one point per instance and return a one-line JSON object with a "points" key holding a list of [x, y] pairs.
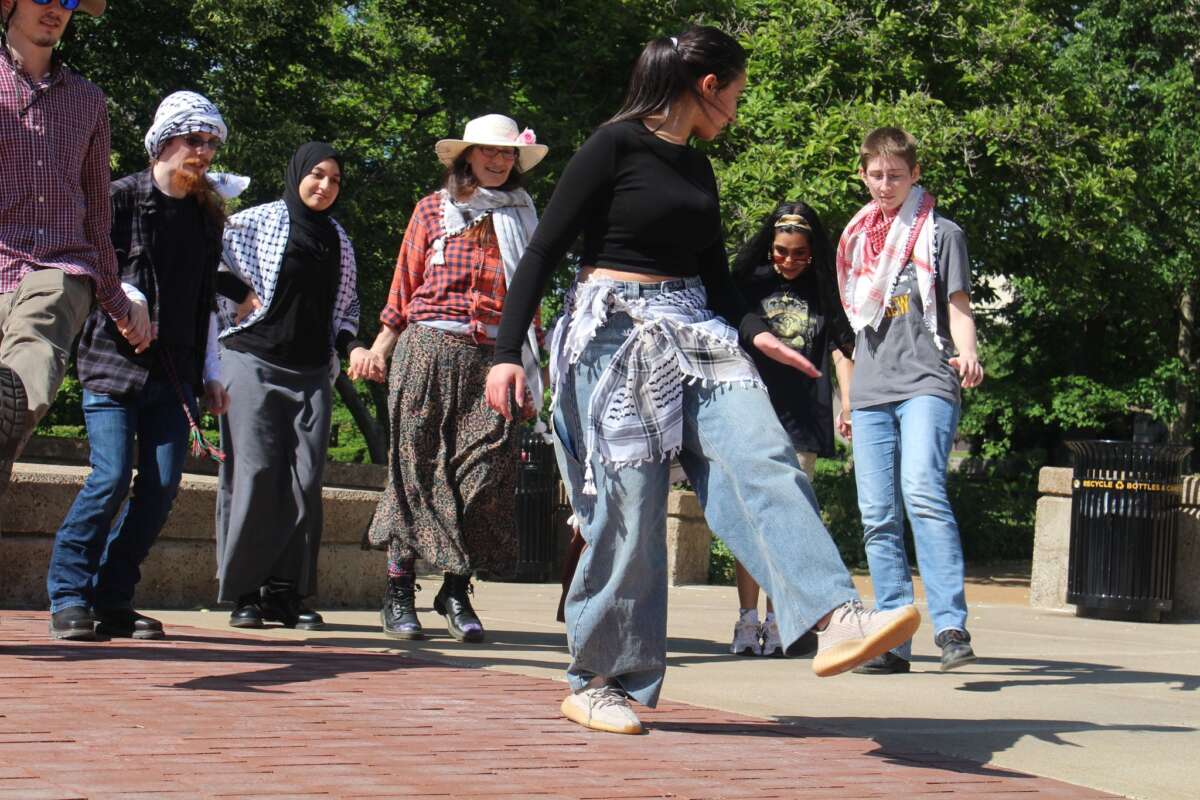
{"points": [[1109, 705]]}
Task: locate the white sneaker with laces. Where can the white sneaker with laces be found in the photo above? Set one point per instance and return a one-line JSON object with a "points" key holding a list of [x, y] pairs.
{"points": [[771, 645], [855, 635], [747, 635], [602, 707]]}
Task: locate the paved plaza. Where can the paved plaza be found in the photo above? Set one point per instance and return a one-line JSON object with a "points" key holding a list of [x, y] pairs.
{"points": [[345, 712]]}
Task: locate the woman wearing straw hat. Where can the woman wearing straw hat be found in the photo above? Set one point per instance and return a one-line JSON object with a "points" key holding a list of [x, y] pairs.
{"points": [[449, 498]]}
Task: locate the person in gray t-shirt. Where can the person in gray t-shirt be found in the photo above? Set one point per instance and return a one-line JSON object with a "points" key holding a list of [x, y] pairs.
{"points": [[906, 287]]}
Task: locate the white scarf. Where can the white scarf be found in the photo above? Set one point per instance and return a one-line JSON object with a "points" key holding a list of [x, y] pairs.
{"points": [[514, 220], [866, 283]]}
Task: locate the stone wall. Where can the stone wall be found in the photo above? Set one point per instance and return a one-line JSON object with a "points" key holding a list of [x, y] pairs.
{"points": [[1052, 537], [179, 572]]}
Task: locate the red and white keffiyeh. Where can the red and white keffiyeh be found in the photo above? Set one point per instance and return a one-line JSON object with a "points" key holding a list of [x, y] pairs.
{"points": [[874, 249]]}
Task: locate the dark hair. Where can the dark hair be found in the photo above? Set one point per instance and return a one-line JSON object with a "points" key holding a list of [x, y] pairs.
{"points": [[757, 251], [666, 69], [459, 178]]}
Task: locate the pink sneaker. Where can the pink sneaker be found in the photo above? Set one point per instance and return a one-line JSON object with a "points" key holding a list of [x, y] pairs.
{"points": [[855, 635]]}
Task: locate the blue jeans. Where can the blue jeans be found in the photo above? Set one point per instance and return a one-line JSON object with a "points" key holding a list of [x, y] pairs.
{"points": [[754, 495], [97, 554], [900, 455]]}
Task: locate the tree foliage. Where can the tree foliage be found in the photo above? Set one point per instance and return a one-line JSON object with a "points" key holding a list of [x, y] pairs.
{"points": [[1063, 137]]}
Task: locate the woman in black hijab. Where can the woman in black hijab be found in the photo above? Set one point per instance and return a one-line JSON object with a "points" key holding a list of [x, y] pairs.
{"points": [[280, 353]]}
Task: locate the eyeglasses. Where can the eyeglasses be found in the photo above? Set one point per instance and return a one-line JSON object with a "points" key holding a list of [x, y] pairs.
{"points": [[197, 143], [69, 5], [507, 153]]}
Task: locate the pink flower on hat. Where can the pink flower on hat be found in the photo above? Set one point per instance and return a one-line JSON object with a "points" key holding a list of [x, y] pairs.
{"points": [[526, 136]]}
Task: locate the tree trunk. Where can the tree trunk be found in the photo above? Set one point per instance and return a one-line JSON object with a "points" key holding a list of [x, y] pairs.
{"points": [[371, 430], [1180, 429]]}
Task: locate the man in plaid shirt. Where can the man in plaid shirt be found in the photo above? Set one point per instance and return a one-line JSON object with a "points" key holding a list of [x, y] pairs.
{"points": [[55, 250]]}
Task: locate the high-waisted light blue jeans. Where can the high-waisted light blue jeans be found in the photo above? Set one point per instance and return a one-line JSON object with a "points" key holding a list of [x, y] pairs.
{"points": [[755, 498]]}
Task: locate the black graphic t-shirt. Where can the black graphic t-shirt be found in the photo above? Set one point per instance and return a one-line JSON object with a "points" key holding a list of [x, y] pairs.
{"points": [[794, 312]]}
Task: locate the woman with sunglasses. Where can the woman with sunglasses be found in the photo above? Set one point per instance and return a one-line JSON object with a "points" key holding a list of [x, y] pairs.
{"points": [[452, 467], [646, 367], [278, 362], [785, 272]]}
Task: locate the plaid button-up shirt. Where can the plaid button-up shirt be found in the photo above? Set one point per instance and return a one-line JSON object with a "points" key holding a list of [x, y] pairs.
{"points": [[54, 178], [468, 288]]}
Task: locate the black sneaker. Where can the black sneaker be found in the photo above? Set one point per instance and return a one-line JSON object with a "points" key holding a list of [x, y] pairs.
{"points": [[956, 649], [15, 424], [76, 623], [399, 612], [887, 664], [127, 623]]}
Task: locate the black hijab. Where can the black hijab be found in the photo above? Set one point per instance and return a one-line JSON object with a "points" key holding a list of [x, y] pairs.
{"points": [[312, 233]]}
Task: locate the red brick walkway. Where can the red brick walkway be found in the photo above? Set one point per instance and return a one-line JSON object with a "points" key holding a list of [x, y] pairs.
{"points": [[214, 715]]}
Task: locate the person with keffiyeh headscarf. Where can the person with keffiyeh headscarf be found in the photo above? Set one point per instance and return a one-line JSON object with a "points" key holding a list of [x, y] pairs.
{"points": [[166, 233], [280, 343], [905, 285]]}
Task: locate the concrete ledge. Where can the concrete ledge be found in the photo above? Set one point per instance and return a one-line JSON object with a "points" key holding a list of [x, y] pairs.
{"points": [[180, 570], [1052, 539], [179, 573]]}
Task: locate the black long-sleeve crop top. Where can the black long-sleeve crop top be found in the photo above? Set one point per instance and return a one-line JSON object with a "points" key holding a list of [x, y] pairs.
{"points": [[644, 205]]}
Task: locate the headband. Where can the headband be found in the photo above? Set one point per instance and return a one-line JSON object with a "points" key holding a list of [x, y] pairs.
{"points": [[793, 221]]}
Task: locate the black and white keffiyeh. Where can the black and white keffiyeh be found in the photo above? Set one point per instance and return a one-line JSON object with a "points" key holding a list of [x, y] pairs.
{"points": [[181, 113], [636, 409]]}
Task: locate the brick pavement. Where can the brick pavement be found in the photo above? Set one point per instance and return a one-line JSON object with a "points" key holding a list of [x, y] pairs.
{"points": [[231, 715]]}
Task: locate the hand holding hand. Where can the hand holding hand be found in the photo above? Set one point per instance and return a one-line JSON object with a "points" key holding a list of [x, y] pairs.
{"points": [[503, 381], [772, 348], [843, 424], [216, 399], [135, 327], [365, 365], [970, 371], [247, 307]]}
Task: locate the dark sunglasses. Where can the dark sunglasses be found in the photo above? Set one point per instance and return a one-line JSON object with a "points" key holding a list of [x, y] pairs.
{"points": [[195, 142], [69, 5]]}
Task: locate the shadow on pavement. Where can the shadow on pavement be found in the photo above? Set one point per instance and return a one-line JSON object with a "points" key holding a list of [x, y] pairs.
{"points": [[973, 739], [1023, 672]]}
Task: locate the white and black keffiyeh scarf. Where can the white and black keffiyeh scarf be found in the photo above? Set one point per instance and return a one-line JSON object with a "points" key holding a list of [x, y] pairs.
{"points": [[181, 113], [636, 409]]}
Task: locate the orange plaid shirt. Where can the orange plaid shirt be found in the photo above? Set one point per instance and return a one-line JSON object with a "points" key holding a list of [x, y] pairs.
{"points": [[468, 288]]}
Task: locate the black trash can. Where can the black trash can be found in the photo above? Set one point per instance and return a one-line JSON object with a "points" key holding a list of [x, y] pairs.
{"points": [[537, 509], [1124, 523]]}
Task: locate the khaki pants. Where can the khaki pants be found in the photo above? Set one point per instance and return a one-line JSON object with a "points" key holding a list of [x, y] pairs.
{"points": [[38, 324]]}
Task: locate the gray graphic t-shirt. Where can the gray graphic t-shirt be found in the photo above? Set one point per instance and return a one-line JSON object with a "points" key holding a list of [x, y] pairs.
{"points": [[900, 361]]}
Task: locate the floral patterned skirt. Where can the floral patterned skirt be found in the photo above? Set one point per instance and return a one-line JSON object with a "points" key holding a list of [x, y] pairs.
{"points": [[450, 497]]}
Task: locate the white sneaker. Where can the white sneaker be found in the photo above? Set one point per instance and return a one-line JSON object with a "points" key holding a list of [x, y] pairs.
{"points": [[855, 635], [602, 708], [771, 645], [747, 636]]}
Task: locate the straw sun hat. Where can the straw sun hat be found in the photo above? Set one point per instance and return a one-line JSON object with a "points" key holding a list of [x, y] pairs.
{"points": [[494, 130], [93, 7]]}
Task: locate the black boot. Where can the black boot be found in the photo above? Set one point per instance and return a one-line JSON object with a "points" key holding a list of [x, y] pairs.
{"points": [[127, 623], [453, 603], [282, 603], [248, 613], [399, 612], [75, 622]]}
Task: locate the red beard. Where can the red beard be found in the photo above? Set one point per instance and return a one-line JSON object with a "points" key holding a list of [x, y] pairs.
{"points": [[191, 180]]}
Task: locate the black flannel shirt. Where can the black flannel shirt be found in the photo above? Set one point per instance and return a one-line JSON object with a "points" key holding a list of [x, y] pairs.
{"points": [[106, 361]]}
